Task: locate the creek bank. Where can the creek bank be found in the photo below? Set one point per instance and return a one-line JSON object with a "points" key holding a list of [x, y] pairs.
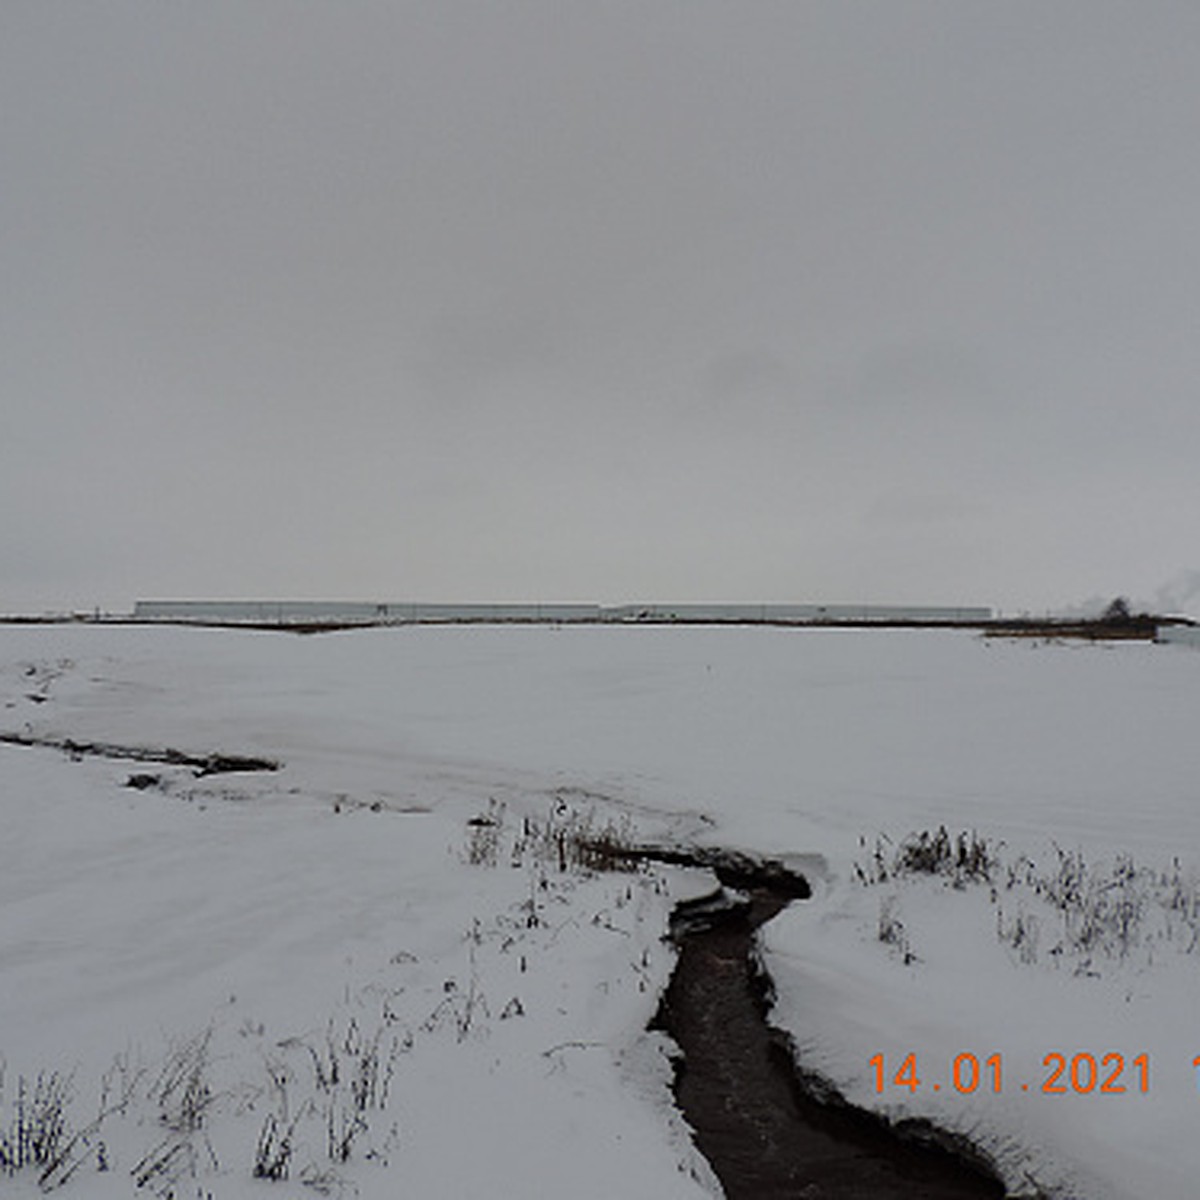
{"points": [[768, 1130], [736, 870], [202, 764]]}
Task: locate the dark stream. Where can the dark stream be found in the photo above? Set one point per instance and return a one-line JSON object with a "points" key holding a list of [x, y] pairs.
{"points": [[765, 1134]]}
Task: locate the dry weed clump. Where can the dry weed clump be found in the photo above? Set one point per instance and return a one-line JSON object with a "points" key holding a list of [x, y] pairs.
{"points": [[347, 1082], [965, 858], [182, 1092], [38, 1132], [567, 838]]}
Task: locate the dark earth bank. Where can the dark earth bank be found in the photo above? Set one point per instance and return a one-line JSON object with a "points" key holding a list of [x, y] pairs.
{"points": [[202, 764]]}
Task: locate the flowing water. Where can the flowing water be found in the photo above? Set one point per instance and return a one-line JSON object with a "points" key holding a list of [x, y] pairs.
{"points": [[765, 1134]]}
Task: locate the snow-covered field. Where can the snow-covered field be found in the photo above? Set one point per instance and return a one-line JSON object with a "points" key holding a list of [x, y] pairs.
{"points": [[193, 959]]}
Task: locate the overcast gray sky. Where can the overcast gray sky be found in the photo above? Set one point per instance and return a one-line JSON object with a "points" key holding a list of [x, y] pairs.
{"points": [[837, 300]]}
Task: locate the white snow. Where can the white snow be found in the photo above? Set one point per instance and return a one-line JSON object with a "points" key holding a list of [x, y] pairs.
{"points": [[332, 902]]}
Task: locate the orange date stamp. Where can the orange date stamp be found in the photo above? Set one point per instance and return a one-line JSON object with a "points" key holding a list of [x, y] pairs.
{"points": [[1081, 1073]]}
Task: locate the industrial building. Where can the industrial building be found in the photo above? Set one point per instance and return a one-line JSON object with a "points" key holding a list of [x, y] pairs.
{"points": [[342, 612]]}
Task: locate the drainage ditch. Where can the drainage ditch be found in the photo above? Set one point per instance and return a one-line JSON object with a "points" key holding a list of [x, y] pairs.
{"points": [[768, 1132], [201, 764]]}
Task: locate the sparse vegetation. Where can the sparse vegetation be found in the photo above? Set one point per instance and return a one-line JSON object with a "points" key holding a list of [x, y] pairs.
{"points": [[333, 1088], [38, 1130], [1073, 913], [273, 1152], [484, 833], [182, 1092], [568, 838], [891, 931], [965, 858], [347, 1081]]}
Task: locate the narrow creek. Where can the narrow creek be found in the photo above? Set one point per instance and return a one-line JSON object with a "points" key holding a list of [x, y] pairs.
{"points": [[765, 1133]]}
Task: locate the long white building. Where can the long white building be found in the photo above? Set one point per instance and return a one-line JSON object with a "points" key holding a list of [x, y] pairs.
{"points": [[343, 612]]}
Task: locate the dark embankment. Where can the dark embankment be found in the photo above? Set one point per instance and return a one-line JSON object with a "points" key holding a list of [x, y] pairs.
{"points": [[202, 764]]}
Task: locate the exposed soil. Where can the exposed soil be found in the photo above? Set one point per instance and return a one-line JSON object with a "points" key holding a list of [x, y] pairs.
{"points": [[769, 1132], [202, 764]]}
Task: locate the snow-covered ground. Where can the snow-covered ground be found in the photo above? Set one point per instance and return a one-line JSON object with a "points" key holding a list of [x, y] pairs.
{"points": [[206, 948]]}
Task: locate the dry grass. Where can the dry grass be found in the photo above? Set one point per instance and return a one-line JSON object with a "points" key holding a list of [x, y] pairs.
{"points": [[1081, 914]]}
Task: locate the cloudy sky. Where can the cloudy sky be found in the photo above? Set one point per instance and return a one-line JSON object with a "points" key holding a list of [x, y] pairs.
{"points": [[812, 300]]}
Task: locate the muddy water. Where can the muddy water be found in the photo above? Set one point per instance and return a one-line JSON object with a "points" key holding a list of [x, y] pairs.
{"points": [[765, 1137]]}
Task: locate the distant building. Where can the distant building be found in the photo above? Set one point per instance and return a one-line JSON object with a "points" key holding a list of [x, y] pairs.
{"points": [[346, 612]]}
